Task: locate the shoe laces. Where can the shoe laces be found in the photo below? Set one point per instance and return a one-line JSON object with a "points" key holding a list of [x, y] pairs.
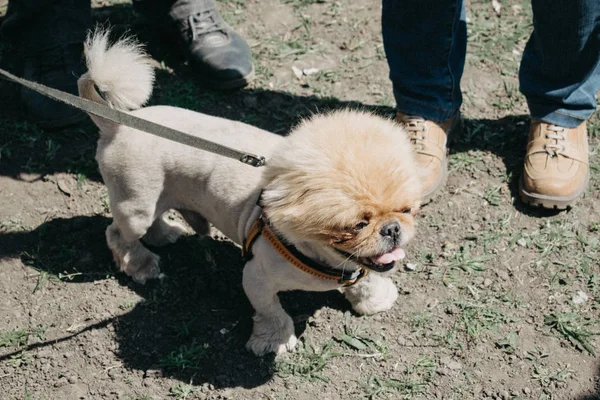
{"points": [[205, 22], [557, 134], [417, 129]]}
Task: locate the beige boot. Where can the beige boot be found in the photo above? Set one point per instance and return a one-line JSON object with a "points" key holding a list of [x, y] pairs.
{"points": [[429, 140], [556, 169]]}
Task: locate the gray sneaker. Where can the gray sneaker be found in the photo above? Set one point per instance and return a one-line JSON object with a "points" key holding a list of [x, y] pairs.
{"points": [[218, 54]]}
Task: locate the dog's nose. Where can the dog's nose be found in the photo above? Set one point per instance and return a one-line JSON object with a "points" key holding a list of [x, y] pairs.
{"points": [[391, 230]]}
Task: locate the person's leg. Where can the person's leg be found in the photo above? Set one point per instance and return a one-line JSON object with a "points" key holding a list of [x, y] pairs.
{"points": [[49, 36], [560, 76], [218, 54], [425, 42]]}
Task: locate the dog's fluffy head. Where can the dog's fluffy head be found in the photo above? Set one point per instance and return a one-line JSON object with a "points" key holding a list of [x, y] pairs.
{"points": [[348, 181]]}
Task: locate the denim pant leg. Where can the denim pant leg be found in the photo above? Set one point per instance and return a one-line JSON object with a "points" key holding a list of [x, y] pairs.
{"points": [[38, 25], [425, 42], [560, 69]]}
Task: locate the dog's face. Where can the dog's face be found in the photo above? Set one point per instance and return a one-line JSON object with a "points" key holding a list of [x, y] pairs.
{"points": [[348, 182]]}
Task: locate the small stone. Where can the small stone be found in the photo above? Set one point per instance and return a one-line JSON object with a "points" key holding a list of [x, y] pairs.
{"points": [[488, 392], [526, 390], [450, 246], [487, 282], [451, 309], [476, 227], [310, 71], [504, 395], [147, 382], [410, 266], [72, 379], [455, 365], [297, 71], [522, 242], [62, 381], [153, 373], [443, 371], [502, 274], [580, 298], [64, 187], [44, 354]]}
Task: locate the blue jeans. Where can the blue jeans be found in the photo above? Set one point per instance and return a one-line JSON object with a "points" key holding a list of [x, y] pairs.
{"points": [[425, 42]]}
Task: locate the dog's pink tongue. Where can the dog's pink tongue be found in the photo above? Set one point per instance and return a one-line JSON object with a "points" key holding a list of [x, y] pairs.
{"points": [[392, 256]]}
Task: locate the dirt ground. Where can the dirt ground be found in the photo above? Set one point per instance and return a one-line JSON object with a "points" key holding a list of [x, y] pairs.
{"points": [[498, 301]]}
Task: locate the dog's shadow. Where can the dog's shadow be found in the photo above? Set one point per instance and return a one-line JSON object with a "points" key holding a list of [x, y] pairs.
{"points": [[192, 325]]}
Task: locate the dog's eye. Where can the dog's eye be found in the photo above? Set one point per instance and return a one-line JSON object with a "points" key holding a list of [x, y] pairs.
{"points": [[407, 211], [361, 225]]}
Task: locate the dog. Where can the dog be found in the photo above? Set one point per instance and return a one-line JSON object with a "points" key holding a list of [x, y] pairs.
{"points": [[341, 190]]}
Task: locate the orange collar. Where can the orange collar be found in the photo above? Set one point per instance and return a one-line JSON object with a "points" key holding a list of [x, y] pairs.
{"points": [[297, 259]]}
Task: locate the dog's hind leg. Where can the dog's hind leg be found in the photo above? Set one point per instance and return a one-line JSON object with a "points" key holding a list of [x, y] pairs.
{"points": [[123, 238], [163, 231], [198, 223]]}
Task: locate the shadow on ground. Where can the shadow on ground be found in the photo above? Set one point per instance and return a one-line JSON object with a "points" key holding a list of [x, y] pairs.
{"points": [[193, 324], [595, 394]]}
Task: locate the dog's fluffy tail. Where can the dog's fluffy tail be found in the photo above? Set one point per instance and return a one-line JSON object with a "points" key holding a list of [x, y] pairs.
{"points": [[119, 75]]}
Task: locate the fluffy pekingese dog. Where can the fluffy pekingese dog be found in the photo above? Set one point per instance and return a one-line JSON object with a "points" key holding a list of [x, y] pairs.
{"points": [[341, 191]]}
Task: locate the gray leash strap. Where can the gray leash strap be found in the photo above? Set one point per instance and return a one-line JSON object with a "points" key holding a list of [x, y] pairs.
{"points": [[140, 124]]}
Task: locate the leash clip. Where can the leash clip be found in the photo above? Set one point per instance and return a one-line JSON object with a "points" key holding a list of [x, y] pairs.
{"points": [[253, 160]]}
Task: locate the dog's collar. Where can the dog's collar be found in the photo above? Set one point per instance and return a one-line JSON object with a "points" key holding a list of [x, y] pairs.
{"points": [[297, 259]]}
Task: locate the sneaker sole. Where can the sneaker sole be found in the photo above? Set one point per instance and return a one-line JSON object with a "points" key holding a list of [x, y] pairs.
{"points": [[551, 202], [230, 85]]}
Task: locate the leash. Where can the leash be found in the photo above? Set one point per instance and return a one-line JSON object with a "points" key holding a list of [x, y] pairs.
{"points": [[123, 118]]}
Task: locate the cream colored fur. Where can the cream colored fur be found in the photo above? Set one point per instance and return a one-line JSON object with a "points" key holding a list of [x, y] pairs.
{"points": [[319, 181]]}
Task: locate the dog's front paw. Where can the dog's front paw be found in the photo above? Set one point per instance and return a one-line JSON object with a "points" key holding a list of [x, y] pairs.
{"points": [[142, 268], [261, 345], [380, 295], [272, 335]]}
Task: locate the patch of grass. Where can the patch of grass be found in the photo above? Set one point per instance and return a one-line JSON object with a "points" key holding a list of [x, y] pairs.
{"points": [[465, 161], [13, 224], [308, 362], [552, 236], [16, 337], [181, 391], [478, 318], [509, 343], [185, 357], [546, 378], [462, 261], [20, 359], [419, 320], [20, 337], [491, 194], [574, 328], [414, 381], [356, 340]]}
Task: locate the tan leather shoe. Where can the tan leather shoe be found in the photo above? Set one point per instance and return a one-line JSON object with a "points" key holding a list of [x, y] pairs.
{"points": [[429, 139], [556, 169]]}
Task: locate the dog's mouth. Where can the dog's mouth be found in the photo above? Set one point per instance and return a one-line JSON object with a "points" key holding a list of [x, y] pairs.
{"points": [[379, 263]]}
